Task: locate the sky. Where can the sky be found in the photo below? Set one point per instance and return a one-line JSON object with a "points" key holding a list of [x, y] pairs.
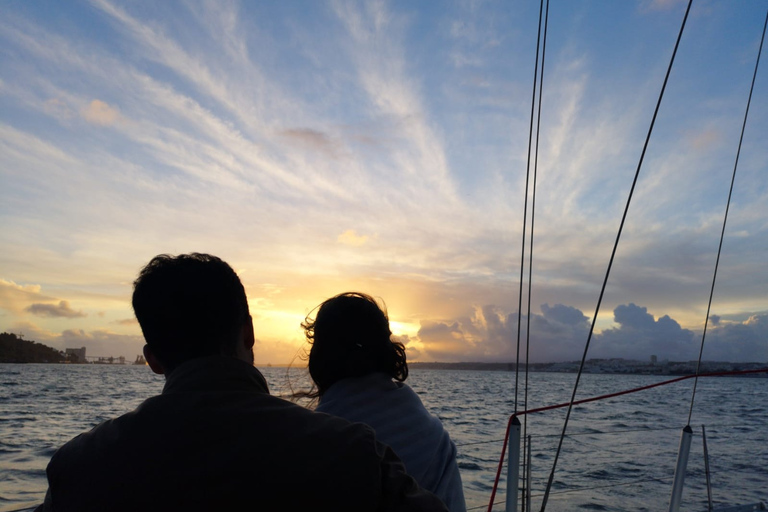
{"points": [[382, 147]]}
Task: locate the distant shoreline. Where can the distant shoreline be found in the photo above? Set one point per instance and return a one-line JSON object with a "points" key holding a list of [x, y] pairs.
{"points": [[604, 366], [16, 350]]}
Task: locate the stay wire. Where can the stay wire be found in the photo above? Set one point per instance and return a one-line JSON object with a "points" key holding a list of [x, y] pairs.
{"points": [[505, 439], [525, 205], [530, 250], [610, 262], [725, 219]]}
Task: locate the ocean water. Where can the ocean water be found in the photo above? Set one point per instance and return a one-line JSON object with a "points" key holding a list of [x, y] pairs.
{"points": [[619, 453]]}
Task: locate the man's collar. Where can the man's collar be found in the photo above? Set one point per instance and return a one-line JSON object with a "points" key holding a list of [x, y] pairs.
{"points": [[214, 373]]}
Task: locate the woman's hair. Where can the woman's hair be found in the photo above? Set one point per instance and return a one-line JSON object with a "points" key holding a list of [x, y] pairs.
{"points": [[350, 337]]}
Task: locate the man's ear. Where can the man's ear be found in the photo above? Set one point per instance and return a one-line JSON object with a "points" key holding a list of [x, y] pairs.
{"points": [[249, 339], [152, 360], [244, 349]]}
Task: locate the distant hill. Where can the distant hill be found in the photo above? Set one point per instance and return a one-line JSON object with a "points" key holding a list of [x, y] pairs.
{"points": [[16, 350]]}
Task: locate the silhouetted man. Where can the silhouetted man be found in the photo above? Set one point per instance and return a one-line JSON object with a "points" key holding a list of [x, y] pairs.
{"points": [[215, 439]]}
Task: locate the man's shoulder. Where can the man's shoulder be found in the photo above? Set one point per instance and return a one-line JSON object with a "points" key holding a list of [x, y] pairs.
{"points": [[316, 426], [106, 433]]}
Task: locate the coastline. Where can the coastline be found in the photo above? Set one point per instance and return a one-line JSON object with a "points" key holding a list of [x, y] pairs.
{"points": [[605, 366]]}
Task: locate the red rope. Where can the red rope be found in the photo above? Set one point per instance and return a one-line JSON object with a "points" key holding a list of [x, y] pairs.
{"points": [[594, 399]]}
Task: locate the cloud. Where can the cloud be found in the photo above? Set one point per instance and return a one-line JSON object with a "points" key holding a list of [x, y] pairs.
{"points": [[15, 297], [661, 5], [58, 109], [34, 333], [381, 59], [445, 342], [99, 113], [60, 310], [705, 139], [560, 332], [213, 151], [126, 321], [311, 139], [565, 315], [98, 342], [557, 334], [640, 335], [350, 237], [738, 341], [461, 60]]}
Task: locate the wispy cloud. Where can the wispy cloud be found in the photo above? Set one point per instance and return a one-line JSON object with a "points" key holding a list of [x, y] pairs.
{"points": [[373, 146], [381, 65], [350, 237]]}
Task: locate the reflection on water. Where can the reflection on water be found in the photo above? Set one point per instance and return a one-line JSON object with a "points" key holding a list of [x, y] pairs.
{"points": [[630, 441]]}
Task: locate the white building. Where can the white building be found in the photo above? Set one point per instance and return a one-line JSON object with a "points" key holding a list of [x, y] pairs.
{"points": [[76, 355]]}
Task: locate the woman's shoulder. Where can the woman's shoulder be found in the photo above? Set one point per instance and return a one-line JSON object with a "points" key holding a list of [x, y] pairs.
{"points": [[373, 391]]}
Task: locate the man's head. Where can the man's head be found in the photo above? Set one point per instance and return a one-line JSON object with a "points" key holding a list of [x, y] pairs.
{"points": [[190, 306]]}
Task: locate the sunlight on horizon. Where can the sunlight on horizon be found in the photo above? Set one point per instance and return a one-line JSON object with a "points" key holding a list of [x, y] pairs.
{"points": [[382, 148]]}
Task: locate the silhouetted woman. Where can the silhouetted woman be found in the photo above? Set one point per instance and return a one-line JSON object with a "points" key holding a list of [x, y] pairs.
{"points": [[358, 372]]}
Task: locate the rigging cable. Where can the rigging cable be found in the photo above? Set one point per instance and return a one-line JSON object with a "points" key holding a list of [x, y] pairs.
{"points": [[610, 262], [725, 219], [526, 469], [525, 204], [595, 399]]}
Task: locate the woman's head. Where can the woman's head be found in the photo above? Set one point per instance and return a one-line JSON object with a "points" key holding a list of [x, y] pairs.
{"points": [[350, 337]]}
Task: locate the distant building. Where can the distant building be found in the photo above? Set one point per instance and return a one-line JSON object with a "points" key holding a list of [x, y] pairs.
{"points": [[75, 355], [654, 359]]}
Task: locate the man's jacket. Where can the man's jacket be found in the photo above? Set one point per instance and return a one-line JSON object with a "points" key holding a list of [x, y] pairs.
{"points": [[216, 440]]}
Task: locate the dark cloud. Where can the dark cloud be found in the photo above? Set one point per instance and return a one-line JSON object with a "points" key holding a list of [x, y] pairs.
{"points": [[639, 336], [491, 335], [311, 139], [738, 341], [560, 332], [566, 315], [60, 310], [633, 317]]}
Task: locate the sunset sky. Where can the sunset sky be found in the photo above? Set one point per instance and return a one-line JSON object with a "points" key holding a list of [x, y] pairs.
{"points": [[322, 147]]}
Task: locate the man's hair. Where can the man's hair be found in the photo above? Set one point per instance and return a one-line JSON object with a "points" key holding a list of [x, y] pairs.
{"points": [[350, 337], [189, 306]]}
